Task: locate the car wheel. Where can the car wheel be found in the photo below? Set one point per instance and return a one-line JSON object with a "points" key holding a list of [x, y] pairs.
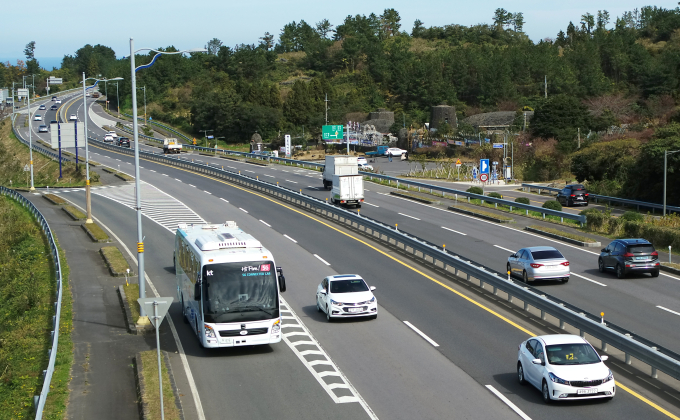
{"points": [[520, 374], [545, 391], [374, 316], [600, 265], [507, 269], [328, 314], [619, 271], [586, 204], [655, 273], [565, 280], [318, 307], [525, 277]]}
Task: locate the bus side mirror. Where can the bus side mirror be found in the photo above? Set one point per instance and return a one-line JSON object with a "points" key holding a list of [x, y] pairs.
{"points": [[282, 279], [197, 290]]}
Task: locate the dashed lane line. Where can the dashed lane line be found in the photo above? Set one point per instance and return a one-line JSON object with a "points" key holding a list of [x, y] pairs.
{"points": [[422, 334], [455, 231], [286, 236], [322, 260]]}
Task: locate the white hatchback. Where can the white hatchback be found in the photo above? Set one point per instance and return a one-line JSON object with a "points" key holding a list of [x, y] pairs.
{"points": [[108, 138], [346, 296], [564, 367], [73, 117], [37, 117]]}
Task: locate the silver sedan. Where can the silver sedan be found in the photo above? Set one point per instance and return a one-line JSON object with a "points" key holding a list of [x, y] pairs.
{"points": [[539, 263]]}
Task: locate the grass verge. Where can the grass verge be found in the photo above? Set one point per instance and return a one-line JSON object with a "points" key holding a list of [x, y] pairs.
{"points": [[151, 393], [96, 231], [54, 199], [124, 177], [26, 309], [117, 262], [74, 211], [482, 212], [563, 233], [131, 294]]}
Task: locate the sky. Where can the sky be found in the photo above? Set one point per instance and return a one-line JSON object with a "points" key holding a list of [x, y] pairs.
{"points": [[58, 31]]}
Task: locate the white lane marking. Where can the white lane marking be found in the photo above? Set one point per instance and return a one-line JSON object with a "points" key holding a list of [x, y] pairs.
{"points": [[178, 342], [117, 159], [508, 402], [207, 192], [504, 249], [224, 199], [151, 170], [270, 176], [289, 238], [668, 310], [371, 204], [265, 223], [231, 167], [191, 185], [291, 181], [252, 172], [406, 215], [177, 179], [164, 174], [422, 334], [590, 280], [322, 260], [460, 233], [244, 210], [366, 190]]}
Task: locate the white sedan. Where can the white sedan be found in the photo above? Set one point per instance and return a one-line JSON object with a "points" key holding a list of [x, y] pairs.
{"points": [[73, 117], [37, 117], [108, 138], [394, 151], [346, 296], [564, 367]]}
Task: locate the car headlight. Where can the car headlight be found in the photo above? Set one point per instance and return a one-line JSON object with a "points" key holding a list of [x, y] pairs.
{"points": [[333, 302], [558, 379], [609, 377], [277, 326], [209, 332], [372, 300]]}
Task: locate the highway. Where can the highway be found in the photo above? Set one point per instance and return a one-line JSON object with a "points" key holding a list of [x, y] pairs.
{"points": [[394, 370]]}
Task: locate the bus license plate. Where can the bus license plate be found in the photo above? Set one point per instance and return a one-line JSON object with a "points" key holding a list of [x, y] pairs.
{"points": [[588, 391], [355, 309]]}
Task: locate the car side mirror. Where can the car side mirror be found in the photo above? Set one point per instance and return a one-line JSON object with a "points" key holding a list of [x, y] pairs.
{"points": [[604, 250], [372, 288], [513, 256], [604, 358], [537, 362], [282, 279], [197, 290], [323, 291]]}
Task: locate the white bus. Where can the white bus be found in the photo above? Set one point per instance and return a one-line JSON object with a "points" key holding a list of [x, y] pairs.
{"points": [[228, 286]]}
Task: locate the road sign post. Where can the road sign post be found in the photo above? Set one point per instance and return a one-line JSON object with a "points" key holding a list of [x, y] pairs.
{"points": [[332, 132], [160, 308], [458, 164], [287, 144]]}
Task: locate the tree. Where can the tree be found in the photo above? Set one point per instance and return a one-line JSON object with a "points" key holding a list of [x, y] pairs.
{"points": [[390, 23], [518, 22], [29, 51], [501, 18], [213, 46], [323, 28], [559, 117], [418, 29], [612, 160], [267, 41], [587, 22]]}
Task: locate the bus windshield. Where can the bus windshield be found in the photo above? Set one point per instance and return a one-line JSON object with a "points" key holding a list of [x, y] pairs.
{"points": [[240, 292]]}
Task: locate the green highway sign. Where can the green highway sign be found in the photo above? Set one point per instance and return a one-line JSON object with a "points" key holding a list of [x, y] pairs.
{"points": [[332, 132]]}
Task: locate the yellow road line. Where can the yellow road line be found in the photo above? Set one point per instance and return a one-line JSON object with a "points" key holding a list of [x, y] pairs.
{"points": [[462, 295]]}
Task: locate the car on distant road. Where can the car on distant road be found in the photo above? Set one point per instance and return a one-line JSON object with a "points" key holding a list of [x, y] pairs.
{"points": [[564, 367], [625, 256], [54, 108], [73, 117], [365, 167], [394, 151], [37, 117], [362, 159], [108, 138], [57, 101], [54, 98], [539, 263], [113, 134], [346, 296], [573, 195], [42, 129], [123, 142], [42, 107]]}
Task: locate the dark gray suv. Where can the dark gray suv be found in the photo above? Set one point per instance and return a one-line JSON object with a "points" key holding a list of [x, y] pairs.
{"points": [[573, 195], [626, 256]]}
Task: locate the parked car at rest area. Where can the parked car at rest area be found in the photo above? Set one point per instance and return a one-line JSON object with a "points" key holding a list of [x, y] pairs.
{"points": [[37, 117], [42, 107], [365, 167], [539, 263], [625, 256], [123, 142], [362, 159], [564, 367], [394, 151], [73, 117], [573, 195], [42, 129], [346, 296]]}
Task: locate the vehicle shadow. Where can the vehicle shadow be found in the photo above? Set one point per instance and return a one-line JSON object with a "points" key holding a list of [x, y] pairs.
{"points": [[532, 395], [315, 315]]}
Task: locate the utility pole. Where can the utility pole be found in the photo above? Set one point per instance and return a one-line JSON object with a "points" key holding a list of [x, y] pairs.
{"points": [[546, 86], [205, 134], [665, 175], [326, 101], [579, 137], [525, 122]]}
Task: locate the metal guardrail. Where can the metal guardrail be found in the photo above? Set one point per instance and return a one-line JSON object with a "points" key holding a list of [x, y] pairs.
{"points": [[39, 400], [632, 345], [609, 200], [163, 126]]}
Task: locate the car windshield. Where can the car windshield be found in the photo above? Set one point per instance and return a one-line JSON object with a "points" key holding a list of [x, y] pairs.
{"points": [[548, 254], [572, 354], [348, 286], [641, 249], [240, 292]]}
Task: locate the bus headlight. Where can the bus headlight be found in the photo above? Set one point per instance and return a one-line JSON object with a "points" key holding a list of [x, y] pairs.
{"points": [[276, 327], [209, 332]]}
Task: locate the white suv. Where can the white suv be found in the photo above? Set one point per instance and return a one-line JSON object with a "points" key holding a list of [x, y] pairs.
{"points": [[108, 138], [346, 296], [112, 134], [394, 151]]}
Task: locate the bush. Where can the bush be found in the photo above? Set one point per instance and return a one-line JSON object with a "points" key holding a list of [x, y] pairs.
{"points": [[494, 195], [661, 237], [633, 216], [475, 190], [523, 200], [552, 205]]}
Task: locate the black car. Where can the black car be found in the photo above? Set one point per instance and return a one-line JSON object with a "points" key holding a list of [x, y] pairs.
{"points": [[53, 108], [123, 141], [626, 256], [572, 195]]}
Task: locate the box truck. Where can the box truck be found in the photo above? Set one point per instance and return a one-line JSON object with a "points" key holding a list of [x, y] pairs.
{"points": [[338, 165]]}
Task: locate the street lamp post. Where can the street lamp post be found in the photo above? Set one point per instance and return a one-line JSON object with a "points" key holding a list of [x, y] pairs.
{"points": [[117, 100], [143, 318], [665, 175], [30, 140], [205, 134], [144, 89], [88, 196]]}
